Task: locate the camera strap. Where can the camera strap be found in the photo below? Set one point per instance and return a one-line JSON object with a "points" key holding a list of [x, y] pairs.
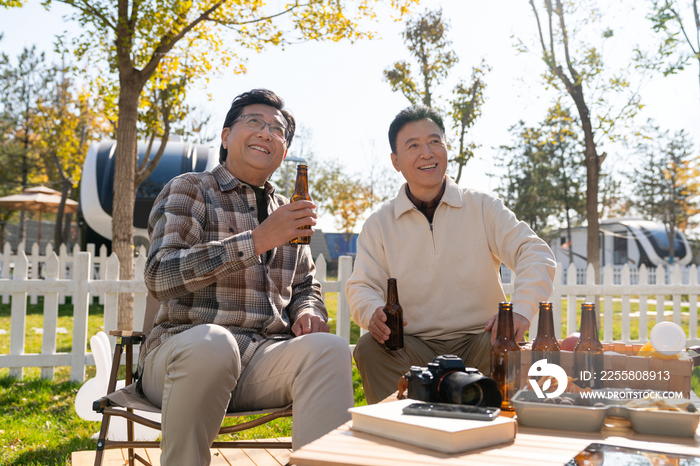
{"points": [[403, 387]]}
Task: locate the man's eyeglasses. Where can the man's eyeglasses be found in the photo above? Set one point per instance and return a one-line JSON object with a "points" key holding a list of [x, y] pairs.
{"points": [[258, 124]]}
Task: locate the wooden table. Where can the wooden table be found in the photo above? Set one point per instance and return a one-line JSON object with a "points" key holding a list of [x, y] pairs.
{"points": [[532, 446]]}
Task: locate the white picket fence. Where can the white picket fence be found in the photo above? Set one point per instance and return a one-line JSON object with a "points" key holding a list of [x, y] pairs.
{"points": [[37, 265], [644, 292], [85, 282], [82, 286], [618, 285]]}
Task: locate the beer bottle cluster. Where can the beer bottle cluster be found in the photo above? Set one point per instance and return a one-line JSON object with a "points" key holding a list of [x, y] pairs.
{"points": [[505, 352], [588, 352]]}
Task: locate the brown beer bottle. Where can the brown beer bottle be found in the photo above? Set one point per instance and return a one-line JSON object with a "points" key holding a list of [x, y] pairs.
{"points": [[505, 357], [394, 317], [301, 193], [588, 352], [545, 345]]}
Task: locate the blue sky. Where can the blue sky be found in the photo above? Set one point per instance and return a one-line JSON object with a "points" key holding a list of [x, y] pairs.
{"points": [[336, 89]]}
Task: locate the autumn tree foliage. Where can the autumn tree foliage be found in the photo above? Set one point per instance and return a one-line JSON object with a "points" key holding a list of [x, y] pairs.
{"points": [[347, 197], [142, 44], [336, 191], [23, 81], [667, 183], [426, 39], [68, 121], [578, 71], [544, 176], [678, 25]]}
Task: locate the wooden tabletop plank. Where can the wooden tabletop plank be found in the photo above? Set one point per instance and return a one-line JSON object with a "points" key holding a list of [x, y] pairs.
{"points": [[532, 446]]}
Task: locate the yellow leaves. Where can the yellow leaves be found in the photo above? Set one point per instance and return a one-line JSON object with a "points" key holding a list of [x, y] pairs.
{"points": [[68, 122], [618, 82], [173, 45], [244, 23], [349, 202], [336, 20], [12, 3]]}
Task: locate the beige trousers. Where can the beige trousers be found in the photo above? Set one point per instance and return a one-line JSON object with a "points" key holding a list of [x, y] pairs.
{"points": [[195, 377], [381, 369]]}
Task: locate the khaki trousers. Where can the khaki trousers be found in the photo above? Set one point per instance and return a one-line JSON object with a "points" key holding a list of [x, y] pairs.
{"points": [[381, 369], [195, 377]]}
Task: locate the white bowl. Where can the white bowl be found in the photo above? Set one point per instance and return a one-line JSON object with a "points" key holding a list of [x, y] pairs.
{"points": [[667, 338]]}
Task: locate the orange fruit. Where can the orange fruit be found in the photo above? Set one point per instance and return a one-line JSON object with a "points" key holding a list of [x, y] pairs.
{"points": [[648, 350]]}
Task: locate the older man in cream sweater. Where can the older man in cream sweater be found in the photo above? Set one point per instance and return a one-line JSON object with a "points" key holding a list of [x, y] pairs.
{"points": [[444, 245]]}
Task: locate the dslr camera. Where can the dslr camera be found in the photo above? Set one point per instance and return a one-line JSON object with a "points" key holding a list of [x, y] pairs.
{"points": [[447, 380]]}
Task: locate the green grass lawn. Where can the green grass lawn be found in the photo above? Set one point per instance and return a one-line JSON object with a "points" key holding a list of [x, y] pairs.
{"points": [[38, 423], [35, 320]]}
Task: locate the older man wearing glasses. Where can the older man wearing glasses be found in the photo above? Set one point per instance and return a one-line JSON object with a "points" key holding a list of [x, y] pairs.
{"points": [[241, 324]]}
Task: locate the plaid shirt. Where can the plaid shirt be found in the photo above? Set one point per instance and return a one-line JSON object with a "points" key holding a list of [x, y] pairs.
{"points": [[203, 269]]}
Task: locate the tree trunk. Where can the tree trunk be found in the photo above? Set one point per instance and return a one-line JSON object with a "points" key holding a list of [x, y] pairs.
{"points": [[124, 194], [568, 236], [696, 17], [67, 236], [671, 233], [593, 231], [58, 237], [460, 163], [427, 98], [565, 179], [592, 177], [22, 232]]}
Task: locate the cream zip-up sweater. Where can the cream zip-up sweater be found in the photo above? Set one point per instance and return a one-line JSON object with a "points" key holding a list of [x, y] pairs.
{"points": [[448, 271]]}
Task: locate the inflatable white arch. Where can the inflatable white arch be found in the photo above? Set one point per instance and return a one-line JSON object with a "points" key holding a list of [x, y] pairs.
{"points": [[96, 388]]}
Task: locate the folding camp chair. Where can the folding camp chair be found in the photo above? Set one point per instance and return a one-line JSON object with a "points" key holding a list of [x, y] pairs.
{"points": [[123, 402]]}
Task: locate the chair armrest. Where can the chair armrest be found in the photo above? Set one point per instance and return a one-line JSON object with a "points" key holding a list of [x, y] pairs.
{"points": [[129, 337], [100, 404], [125, 333]]}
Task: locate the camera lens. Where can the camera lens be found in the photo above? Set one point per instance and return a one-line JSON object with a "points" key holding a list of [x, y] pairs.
{"points": [[472, 394], [461, 388]]}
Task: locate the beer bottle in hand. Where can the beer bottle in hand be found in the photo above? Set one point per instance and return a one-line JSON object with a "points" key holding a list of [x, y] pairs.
{"points": [[505, 357], [545, 345], [394, 317], [301, 193], [588, 352]]}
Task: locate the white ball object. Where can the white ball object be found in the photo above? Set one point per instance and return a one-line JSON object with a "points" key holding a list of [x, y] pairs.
{"points": [[668, 338]]}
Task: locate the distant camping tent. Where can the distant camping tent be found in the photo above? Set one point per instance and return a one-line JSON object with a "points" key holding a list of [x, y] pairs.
{"points": [[39, 199]]}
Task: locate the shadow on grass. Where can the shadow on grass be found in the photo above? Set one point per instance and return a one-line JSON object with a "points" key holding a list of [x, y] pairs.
{"points": [[38, 423], [59, 455]]}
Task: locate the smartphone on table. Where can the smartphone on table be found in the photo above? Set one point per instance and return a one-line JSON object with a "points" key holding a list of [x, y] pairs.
{"points": [[478, 413]]}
